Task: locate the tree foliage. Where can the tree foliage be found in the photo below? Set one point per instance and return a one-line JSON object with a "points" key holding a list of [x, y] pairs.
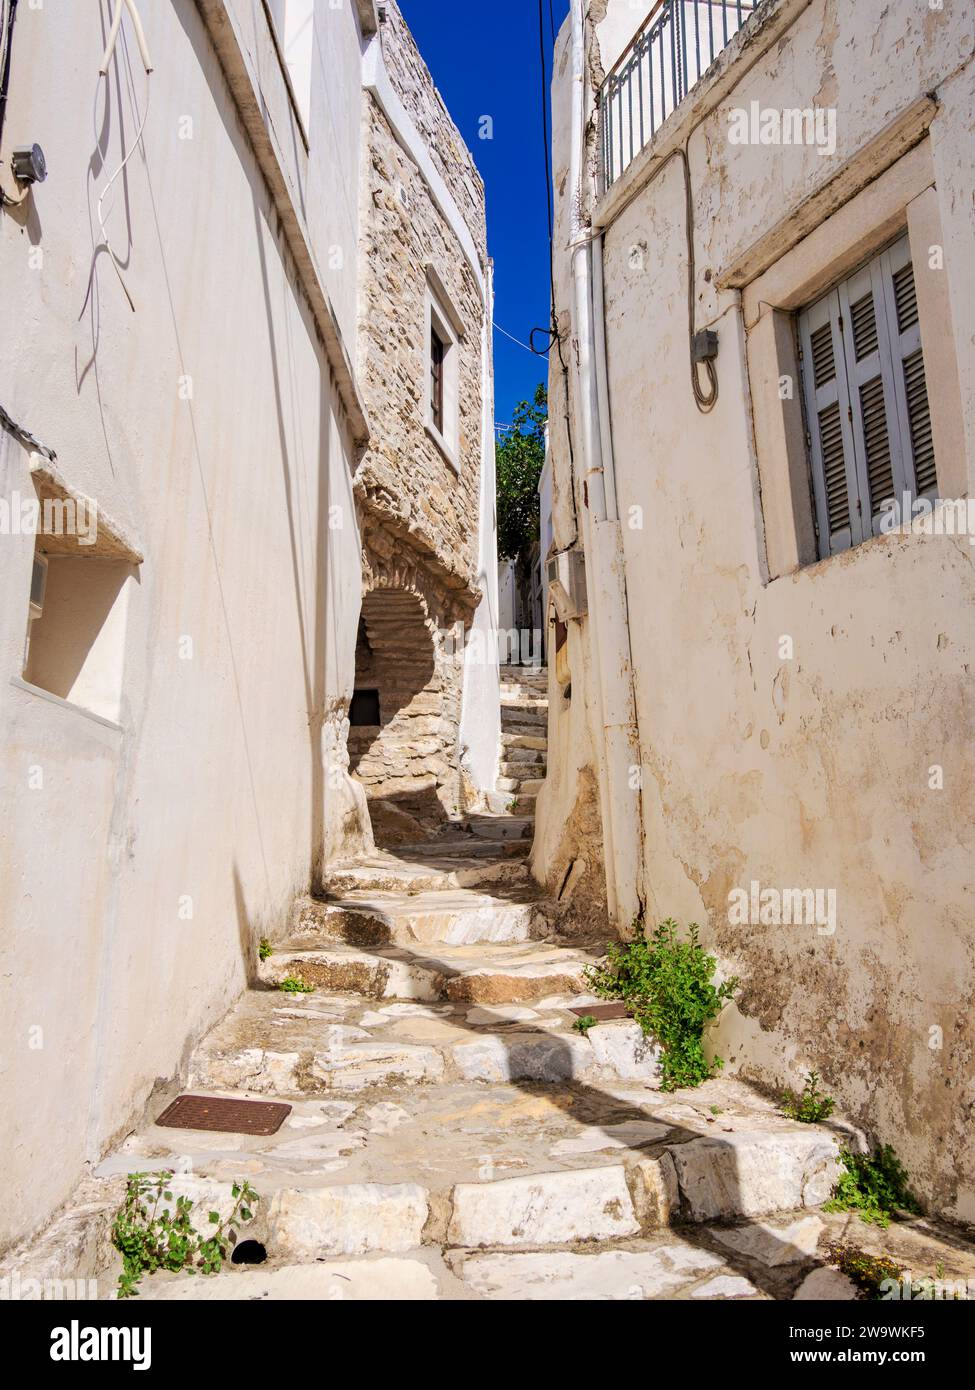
{"points": [[520, 454]]}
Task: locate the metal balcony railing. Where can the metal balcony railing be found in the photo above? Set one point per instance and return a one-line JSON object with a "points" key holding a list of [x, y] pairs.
{"points": [[674, 47]]}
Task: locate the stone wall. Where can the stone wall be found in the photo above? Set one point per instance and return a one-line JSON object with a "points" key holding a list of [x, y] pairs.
{"points": [[790, 714], [420, 517]]}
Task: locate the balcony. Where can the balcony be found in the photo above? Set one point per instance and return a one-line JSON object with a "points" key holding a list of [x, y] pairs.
{"points": [[670, 52]]}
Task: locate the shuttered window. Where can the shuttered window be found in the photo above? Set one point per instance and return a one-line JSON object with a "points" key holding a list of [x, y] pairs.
{"points": [[869, 426]]}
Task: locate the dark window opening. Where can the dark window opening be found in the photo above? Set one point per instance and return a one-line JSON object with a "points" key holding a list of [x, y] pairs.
{"points": [[364, 710], [437, 352]]}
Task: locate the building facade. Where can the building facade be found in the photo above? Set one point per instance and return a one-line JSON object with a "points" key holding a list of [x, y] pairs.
{"points": [[248, 390], [763, 714]]}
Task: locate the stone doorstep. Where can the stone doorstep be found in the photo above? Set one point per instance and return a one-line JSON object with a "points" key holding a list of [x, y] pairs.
{"points": [[468, 866]]}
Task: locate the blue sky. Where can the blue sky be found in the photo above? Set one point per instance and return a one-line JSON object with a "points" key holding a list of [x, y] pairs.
{"points": [[484, 57]]}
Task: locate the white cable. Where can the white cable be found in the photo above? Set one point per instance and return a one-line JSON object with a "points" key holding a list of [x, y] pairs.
{"points": [[103, 72]]}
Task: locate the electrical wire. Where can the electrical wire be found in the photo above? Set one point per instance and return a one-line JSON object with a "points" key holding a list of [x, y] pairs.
{"points": [[514, 339], [103, 72], [25, 437]]}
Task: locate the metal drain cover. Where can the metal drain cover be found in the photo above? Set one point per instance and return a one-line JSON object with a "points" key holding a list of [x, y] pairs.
{"points": [[602, 1012], [229, 1116]]}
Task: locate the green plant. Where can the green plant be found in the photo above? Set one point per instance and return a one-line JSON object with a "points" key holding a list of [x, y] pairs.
{"points": [[667, 984], [149, 1239], [874, 1186], [812, 1105], [292, 985], [583, 1024], [868, 1272], [519, 459], [265, 948]]}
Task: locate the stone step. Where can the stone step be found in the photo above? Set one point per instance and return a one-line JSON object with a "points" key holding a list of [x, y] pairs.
{"points": [[523, 762], [456, 917], [412, 1176], [524, 788], [502, 827], [485, 973], [515, 720], [524, 702], [510, 798], [343, 1044], [464, 862], [534, 743]]}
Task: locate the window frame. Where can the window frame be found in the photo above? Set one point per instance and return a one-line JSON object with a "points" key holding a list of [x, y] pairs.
{"points": [[445, 324]]}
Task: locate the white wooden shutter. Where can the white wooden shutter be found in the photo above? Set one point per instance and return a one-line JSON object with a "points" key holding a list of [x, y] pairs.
{"points": [[866, 399], [835, 482], [910, 386]]}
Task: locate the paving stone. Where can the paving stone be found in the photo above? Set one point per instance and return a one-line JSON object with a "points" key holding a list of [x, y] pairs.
{"points": [[349, 1220], [655, 1191], [386, 1117], [543, 1209], [381, 1280], [354, 1066], [518, 1055], [726, 1286], [756, 1172], [611, 1275], [625, 1050], [775, 1245], [499, 1014], [631, 1134], [825, 1285]]}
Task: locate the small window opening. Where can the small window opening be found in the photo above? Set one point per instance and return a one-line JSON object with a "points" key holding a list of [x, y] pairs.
{"points": [[364, 711], [437, 352]]}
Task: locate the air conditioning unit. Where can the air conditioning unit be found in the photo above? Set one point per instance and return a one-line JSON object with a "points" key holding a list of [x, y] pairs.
{"points": [[567, 584], [38, 586]]}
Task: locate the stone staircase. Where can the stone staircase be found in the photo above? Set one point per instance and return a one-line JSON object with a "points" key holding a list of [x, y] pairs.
{"points": [[522, 766], [454, 1136]]}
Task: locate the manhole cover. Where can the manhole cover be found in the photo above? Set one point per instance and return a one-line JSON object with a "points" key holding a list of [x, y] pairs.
{"points": [[230, 1116], [602, 1012]]}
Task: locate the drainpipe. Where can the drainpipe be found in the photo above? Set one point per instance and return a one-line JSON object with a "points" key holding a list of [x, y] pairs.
{"points": [[619, 753]]}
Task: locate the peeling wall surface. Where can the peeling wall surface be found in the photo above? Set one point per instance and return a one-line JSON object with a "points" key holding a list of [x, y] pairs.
{"points": [[808, 763], [174, 788]]}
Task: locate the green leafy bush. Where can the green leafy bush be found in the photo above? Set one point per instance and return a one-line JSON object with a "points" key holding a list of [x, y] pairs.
{"points": [[265, 949], [520, 457], [148, 1239], [875, 1186], [583, 1024], [667, 984], [812, 1105]]}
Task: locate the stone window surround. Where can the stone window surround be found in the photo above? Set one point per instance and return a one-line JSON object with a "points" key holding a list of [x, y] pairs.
{"points": [[902, 199], [442, 317]]}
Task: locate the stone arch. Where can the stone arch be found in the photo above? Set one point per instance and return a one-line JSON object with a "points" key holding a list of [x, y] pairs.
{"points": [[403, 727]]}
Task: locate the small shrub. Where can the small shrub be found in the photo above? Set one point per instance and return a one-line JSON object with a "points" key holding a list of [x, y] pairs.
{"points": [[148, 1241], [292, 985], [812, 1105], [874, 1186], [583, 1024], [667, 984], [265, 949]]}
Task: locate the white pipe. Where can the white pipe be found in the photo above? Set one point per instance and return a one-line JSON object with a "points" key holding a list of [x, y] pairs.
{"points": [[113, 33], [617, 747]]}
